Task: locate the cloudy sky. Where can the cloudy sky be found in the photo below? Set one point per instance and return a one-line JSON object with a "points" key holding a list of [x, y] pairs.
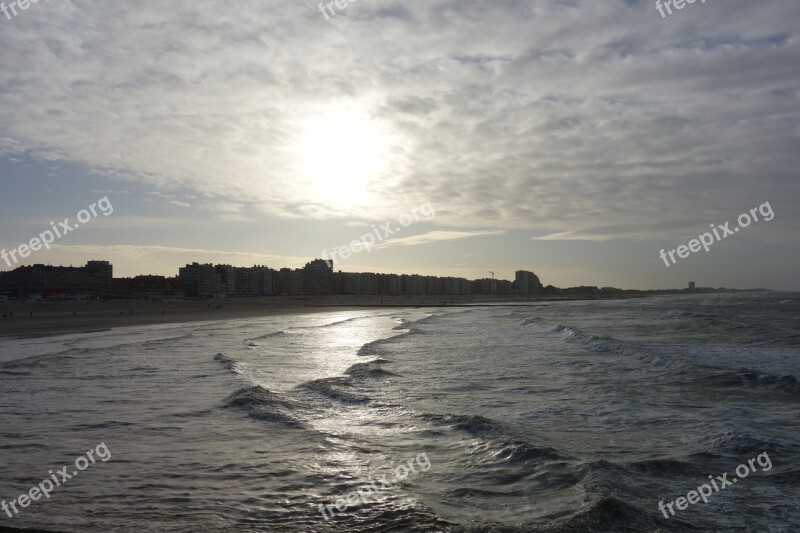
{"points": [[573, 138]]}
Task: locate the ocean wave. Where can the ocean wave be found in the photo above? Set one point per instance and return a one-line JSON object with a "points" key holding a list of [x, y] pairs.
{"points": [[610, 513], [14, 373], [374, 348], [43, 359], [268, 335], [507, 447], [346, 320], [157, 342], [228, 363], [427, 320], [740, 443], [791, 477], [675, 314], [371, 369], [475, 425], [601, 344], [335, 388], [593, 343], [665, 467], [524, 453], [531, 320], [750, 379], [263, 404]]}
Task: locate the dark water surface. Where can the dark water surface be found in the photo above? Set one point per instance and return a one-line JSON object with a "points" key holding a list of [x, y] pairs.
{"points": [[564, 416]]}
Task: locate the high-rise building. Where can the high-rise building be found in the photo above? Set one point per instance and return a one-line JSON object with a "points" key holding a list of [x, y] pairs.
{"points": [[318, 277], [298, 287], [199, 280], [360, 283], [46, 281], [285, 282], [227, 275], [104, 272], [527, 282]]}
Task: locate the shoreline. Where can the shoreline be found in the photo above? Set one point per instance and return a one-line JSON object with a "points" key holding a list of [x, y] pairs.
{"points": [[29, 319], [33, 319]]}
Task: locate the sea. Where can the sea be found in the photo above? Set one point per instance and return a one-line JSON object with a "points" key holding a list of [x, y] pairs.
{"points": [[558, 416]]}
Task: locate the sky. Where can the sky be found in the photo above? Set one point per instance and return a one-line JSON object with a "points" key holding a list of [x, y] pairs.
{"points": [[573, 138]]}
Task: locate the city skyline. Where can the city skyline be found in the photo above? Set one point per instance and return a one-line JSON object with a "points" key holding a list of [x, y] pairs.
{"points": [[317, 278]]}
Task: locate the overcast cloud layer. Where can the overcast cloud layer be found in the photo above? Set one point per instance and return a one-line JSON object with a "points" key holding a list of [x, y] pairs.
{"points": [[571, 119]]}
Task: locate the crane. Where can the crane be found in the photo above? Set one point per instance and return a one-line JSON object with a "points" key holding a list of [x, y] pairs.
{"points": [[492, 273]]}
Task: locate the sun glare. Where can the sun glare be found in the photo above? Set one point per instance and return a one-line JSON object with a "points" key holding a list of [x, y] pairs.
{"points": [[343, 155]]}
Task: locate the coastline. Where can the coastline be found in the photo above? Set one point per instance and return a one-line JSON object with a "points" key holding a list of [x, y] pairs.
{"points": [[28, 319], [23, 319]]}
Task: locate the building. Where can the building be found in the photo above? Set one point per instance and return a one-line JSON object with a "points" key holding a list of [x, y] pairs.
{"points": [[359, 283], [227, 280], [691, 286], [318, 277], [527, 282], [412, 284], [95, 280], [389, 284], [285, 282], [158, 288], [255, 281], [298, 286], [105, 272], [200, 280]]}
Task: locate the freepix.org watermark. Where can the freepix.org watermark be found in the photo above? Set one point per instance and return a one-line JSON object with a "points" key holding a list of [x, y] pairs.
{"points": [[48, 237], [707, 239], [10, 10], [677, 4], [59, 478], [379, 234], [705, 490], [340, 5], [364, 493]]}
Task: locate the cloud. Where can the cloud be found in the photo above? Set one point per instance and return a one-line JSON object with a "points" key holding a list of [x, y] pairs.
{"points": [[545, 115], [131, 260], [434, 236]]}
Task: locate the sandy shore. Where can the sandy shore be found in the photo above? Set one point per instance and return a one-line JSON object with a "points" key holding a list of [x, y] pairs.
{"points": [[30, 318], [51, 318]]}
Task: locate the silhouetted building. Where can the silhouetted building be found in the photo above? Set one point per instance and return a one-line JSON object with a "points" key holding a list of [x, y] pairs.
{"points": [[318, 277], [249, 282], [298, 287], [389, 284], [359, 283], [527, 282], [200, 280], [149, 288], [46, 281], [412, 284], [285, 282], [227, 280]]}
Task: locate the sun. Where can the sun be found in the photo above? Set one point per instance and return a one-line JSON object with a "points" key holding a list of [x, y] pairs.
{"points": [[344, 156]]}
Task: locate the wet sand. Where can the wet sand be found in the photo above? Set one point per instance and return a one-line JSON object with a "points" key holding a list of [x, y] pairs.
{"points": [[27, 318]]}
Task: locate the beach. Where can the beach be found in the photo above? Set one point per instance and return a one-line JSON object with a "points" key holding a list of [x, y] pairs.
{"points": [[29, 318], [37, 318]]}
